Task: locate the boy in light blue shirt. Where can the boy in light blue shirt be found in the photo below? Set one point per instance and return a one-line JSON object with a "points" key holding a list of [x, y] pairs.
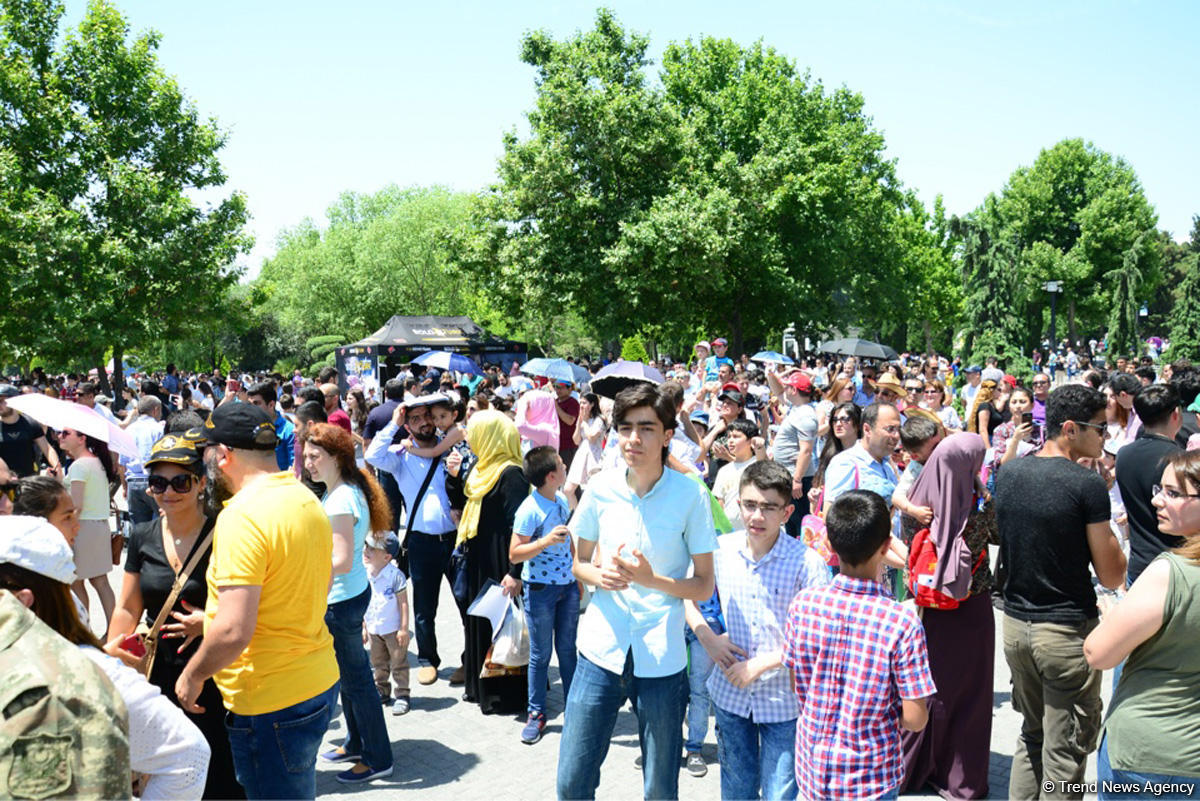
{"points": [[542, 541]]}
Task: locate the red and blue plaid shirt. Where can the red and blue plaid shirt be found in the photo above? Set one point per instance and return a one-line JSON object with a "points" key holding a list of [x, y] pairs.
{"points": [[856, 653]]}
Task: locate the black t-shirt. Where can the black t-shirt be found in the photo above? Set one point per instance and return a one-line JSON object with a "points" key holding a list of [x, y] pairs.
{"points": [[1139, 468], [18, 445], [378, 418], [1043, 508], [147, 557], [1189, 427]]}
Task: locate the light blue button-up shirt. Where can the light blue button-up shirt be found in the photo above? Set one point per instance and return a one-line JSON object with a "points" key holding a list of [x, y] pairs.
{"points": [[669, 524]]}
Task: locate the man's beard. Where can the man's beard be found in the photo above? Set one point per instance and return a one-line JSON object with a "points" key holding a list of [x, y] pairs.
{"points": [[219, 489]]}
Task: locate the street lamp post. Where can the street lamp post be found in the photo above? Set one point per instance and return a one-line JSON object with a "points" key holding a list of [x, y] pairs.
{"points": [[1054, 288]]}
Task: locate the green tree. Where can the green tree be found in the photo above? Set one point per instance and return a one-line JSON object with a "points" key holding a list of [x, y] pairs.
{"points": [[1185, 315], [1122, 320], [739, 192], [382, 254], [1072, 216], [100, 152], [990, 277]]}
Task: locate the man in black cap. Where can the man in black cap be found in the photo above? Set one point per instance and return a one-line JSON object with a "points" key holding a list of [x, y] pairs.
{"points": [[19, 436], [265, 640]]}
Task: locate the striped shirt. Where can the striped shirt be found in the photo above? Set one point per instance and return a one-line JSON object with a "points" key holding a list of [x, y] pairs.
{"points": [[855, 654], [755, 597]]}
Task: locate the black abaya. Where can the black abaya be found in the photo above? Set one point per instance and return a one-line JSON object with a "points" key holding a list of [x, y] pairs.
{"points": [[487, 558]]}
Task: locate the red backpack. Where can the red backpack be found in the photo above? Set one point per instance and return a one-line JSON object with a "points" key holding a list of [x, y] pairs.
{"points": [[922, 564]]}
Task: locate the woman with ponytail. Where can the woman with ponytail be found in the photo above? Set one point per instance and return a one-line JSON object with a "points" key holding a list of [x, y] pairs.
{"points": [[88, 479], [356, 505]]}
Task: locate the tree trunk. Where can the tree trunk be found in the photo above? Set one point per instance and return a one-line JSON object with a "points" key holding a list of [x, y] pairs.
{"points": [[1071, 323], [118, 382], [102, 377], [928, 335], [735, 334]]}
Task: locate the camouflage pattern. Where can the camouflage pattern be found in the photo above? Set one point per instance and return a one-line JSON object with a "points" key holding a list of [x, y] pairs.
{"points": [[64, 730]]}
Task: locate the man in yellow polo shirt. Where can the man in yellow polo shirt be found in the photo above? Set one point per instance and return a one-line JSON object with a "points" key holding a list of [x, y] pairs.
{"points": [[265, 640]]}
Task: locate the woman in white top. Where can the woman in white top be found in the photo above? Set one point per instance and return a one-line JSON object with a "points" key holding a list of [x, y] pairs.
{"points": [[590, 429], [935, 399], [88, 478], [163, 744]]}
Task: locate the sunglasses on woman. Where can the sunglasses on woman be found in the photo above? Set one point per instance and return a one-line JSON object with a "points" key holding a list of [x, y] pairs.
{"points": [[10, 491], [180, 483]]}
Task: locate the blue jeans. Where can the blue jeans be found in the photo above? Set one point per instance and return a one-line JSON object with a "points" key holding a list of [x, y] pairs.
{"points": [[275, 753], [596, 697], [428, 563], [552, 612], [700, 665], [756, 756], [366, 733], [1106, 776]]}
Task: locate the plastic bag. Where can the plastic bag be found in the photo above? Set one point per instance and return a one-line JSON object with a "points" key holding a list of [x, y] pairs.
{"points": [[511, 646]]}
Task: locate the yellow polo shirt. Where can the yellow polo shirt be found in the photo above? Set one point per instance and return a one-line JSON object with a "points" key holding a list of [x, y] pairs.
{"points": [[274, 534]]}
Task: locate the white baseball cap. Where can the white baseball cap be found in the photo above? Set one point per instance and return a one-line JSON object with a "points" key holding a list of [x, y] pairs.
{"points": [[34, 544]]}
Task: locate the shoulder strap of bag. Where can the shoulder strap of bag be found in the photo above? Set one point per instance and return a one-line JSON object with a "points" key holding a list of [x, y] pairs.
{"points": [[412, 515], [181, 578]]}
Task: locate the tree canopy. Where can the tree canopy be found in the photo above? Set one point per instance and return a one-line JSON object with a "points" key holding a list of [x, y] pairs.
{"points": [[1072, 217], [736, 191], [102, 246]]}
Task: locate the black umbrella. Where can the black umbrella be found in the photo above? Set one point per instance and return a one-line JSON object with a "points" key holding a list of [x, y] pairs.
{"points": [[858, 347], [621, 375]]}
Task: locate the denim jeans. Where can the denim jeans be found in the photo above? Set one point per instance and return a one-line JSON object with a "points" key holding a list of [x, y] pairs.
{"points": [[142, 508], [596, 697], [275, 753], [366, 733], [552, 612], [1185, 786], [429, 562], [700, 665], [756, 757], [1058, 696]]}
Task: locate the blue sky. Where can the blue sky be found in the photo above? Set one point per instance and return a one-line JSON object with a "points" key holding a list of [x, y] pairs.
{"points": [[319, 98]]}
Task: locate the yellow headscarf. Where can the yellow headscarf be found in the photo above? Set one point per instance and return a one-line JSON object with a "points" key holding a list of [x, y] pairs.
{"points": [[494, 439]]}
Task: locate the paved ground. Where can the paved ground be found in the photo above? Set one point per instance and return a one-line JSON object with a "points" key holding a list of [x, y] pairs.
{"points": [[445, 749]]}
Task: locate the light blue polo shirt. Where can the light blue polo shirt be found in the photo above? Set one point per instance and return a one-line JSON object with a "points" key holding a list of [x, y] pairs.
{"points": [[668, 525]]}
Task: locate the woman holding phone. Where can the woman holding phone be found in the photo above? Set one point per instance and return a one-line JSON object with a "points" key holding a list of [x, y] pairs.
{"points": [[1020, 435]]}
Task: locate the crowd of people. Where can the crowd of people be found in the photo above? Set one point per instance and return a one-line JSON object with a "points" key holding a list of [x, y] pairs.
{"points": [[810, 554]]}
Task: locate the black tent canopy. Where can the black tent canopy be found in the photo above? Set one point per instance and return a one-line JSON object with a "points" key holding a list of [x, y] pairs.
{"points": [[377, 357]]}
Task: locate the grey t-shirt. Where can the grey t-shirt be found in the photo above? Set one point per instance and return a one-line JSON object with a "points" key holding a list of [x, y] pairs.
{"points": [[799, 426]]}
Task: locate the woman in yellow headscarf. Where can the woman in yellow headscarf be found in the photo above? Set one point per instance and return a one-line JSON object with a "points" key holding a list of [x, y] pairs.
{"points": [[489, 498]]}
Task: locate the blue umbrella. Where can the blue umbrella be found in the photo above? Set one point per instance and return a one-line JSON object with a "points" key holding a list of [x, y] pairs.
{"points": [[444, 360], [553, 369], [771, 356]]}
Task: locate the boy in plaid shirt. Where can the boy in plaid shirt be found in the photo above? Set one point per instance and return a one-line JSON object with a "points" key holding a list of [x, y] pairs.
{"points": [[860, 664], [759, 571]]}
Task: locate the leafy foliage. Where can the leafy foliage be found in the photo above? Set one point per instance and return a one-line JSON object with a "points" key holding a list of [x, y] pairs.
{"points": [[739, 192], [382, 254], [100, 153]]}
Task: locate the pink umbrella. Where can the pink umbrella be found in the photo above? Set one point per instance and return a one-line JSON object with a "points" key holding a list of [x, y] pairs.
{"points": [[60, 414]]}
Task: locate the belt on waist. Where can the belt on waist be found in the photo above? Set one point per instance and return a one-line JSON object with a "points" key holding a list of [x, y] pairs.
{"points": [[451, 533]]}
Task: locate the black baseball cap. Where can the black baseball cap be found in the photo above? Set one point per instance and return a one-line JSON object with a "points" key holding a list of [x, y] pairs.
{"points": [[176, 449], [238, 425]]}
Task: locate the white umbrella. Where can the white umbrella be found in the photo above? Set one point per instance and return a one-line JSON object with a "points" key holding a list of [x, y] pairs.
{"points": [[60, 414]]}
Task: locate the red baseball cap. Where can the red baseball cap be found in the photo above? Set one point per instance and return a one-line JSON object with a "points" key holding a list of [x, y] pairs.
{"points": [[730, 386], [799, 382]]}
